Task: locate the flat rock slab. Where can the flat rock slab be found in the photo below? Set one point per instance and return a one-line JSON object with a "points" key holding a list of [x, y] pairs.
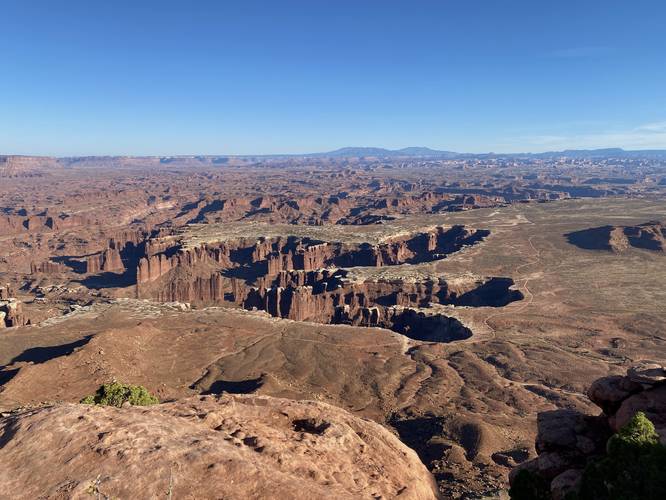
{"points": [[233, 447]]}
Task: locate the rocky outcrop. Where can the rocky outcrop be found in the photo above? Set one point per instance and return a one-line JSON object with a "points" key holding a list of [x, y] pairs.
{"points": [[618, 239], [326, 296], [267, 257], [206, 447], [93, 263], [47, 267], [11, 309], [17, 224], [123, 249], [6, 292], [25, 166], [567, 439], [107, 261]]}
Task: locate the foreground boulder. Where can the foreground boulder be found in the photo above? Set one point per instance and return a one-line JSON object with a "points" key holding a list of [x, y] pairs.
{"points": [[232, 447]]}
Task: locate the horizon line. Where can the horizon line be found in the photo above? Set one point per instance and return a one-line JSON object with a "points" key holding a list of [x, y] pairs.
{"points": [[435, 152]]}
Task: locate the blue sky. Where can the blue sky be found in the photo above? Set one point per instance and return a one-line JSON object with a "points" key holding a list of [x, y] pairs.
{"points": [[258, 77]]}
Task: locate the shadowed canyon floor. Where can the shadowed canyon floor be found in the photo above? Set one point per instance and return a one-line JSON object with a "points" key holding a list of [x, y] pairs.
{"points": [[468, 407]]}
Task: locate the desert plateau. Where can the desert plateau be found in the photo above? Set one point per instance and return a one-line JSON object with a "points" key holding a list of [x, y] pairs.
{"points": [[375, 290], [359, 250]]}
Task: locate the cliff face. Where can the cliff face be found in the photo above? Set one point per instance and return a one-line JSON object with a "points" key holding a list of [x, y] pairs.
{"points": [[6, 292], [270, 256], [305, 280], [26, 166], [117, 252], [16, 224], [123, 249], [107, 261], [47, 267], [324, 297], [650, 236]]}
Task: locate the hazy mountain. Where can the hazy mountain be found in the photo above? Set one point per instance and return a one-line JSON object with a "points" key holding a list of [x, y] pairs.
{"points": [[348, 152], [608, 152], [412, 151], [425, 152]]}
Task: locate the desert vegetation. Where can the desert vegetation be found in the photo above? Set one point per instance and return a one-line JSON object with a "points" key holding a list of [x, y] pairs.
{"points": [[632, 469], [117, 394]]}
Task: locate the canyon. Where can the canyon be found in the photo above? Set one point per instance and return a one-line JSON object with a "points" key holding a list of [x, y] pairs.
{"points": [[444, 299], [306, 280], [231, 268]]}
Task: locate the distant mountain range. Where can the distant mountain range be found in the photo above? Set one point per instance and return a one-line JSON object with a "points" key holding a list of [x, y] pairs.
{"points": [[412, 151], [605, 153], [350, 152], [424, 152]]}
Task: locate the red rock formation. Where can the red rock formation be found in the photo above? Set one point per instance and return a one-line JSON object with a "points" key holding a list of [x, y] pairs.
{"points": [[111, 261], [16, 224], [6, 292], [11, 310], [93, 263], [47, 267], [618, 239], [231, 446], [287, 277], [153, 267], [129, 243]]}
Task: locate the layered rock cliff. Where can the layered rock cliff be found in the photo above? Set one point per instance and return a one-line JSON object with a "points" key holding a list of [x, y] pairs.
{"points": [[48, 267], [269, 256], [306, 280], [17, 224]]}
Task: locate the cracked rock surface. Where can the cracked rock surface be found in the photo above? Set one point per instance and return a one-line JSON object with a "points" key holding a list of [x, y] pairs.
{"points": [[232, 447]]}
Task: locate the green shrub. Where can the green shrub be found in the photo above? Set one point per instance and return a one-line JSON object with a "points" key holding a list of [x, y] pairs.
{"points": [[634, 467], [637, 435], [115, 394]]}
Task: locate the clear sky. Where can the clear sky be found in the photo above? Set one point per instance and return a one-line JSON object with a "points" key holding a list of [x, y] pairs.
{"points": [[281, 76]]}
